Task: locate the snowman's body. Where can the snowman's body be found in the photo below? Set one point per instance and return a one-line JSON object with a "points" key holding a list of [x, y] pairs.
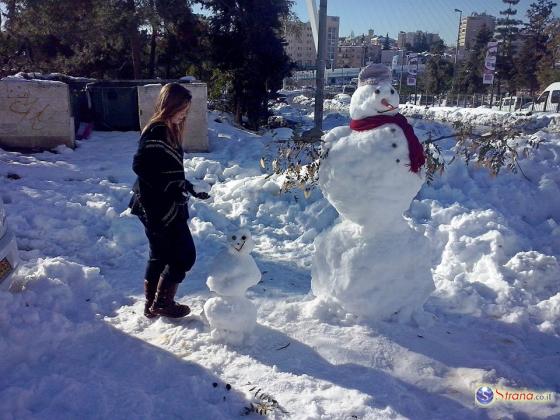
{"points": [[350, 185], [230, 314], [371, 262]]}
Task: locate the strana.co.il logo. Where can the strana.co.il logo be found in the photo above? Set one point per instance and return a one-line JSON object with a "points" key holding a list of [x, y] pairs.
{"points": [[484, 395]]}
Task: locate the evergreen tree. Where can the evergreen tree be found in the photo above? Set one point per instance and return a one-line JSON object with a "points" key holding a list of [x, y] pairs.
{"points": [[182, 37], [420, 43], [507, 30], [101, 38], [470, 76], [386, 44], [535, 46], [439, 72], [548, 69], [246, 45]]}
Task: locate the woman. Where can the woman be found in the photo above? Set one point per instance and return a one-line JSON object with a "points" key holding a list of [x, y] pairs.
{"points": [[160, 201]]}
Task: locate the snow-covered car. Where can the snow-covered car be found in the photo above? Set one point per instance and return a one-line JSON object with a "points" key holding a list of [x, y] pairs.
{"points": [[9, 259], [512, 103], [343, 98]]}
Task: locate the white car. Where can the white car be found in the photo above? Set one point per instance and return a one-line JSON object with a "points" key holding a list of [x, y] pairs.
{"points": [[549, 100], [9, 259]]}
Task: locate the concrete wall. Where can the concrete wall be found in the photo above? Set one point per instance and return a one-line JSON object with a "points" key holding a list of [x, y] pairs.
{"points": [[195, 138], [35, 114]]}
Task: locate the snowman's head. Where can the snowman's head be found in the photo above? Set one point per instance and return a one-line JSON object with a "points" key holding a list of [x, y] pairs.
{"points": [[241, 242], [374, 95]]}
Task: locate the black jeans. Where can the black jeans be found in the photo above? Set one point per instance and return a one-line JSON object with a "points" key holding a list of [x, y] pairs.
{"points": [[172, 252]]}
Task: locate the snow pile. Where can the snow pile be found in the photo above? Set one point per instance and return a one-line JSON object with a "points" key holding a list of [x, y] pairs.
{"points": [[76, 291], [481, 116], [339, 103], [303, 100], [498, 239], [75, 344]]}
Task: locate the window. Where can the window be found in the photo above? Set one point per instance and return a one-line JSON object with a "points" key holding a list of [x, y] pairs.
{"points": [[555, 97], [543, 97]]}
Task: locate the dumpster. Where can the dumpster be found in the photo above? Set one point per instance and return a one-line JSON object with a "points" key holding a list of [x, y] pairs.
{"points": [[114, 105]]}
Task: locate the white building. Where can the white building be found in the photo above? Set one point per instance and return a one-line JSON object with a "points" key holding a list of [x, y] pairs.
{"points": [[300, 45]]}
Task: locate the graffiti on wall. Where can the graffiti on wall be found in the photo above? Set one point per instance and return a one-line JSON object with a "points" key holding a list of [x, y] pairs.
{"points": [[28, 108]]}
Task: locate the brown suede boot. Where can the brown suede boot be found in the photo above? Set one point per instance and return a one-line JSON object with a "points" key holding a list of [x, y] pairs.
{"points": [[150, 293], [164, 303]]}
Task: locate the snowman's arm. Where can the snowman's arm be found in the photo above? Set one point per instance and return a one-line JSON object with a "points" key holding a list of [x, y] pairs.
{"points": [[255, 273], [335, 134]]}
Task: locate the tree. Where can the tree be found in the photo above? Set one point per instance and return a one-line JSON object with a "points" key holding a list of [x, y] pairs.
{"points": [[183, 41], [548, 70], [439, 72], [470, 76], [386, 44], [420, 43], [506, 33], [246, 45], [102, 38], [535, 47]]}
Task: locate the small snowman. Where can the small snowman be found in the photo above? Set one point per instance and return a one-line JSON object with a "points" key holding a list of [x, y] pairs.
{"points": [[372, 262], [230, 314]]}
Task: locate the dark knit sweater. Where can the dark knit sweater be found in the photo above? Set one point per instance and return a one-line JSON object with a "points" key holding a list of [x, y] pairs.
{"points": [[161, 190]]}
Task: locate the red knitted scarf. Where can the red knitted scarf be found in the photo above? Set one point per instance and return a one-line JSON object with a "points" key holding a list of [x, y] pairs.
{"points": [[415, 149]]}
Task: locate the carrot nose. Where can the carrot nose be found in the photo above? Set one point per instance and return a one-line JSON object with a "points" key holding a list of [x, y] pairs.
{"points": [[387, 104]]}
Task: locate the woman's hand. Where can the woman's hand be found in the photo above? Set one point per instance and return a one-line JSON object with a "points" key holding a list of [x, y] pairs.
{"points": [[201, 195]]}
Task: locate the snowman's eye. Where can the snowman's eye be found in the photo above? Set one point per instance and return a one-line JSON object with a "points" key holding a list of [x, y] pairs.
{"points": [[394, 145], [377, 91], [243, 237], [392, 91], [234, 237]]}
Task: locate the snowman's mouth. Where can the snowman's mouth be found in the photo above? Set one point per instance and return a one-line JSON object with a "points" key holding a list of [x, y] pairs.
{"points": [[389, 106], [240, 247]]}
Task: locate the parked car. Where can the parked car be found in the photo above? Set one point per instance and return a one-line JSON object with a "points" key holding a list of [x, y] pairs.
{"points": [[9, 258], [512, 103], [348, 89], [421, 99], [343, 98], [549, 100]]}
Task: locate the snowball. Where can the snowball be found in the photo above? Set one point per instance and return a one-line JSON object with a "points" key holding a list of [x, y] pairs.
{"points": [[232, 318], [366, 177], [383, 276]]}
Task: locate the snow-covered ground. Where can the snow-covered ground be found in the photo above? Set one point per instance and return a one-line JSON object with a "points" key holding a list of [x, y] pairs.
{"points": [[74, 342]]}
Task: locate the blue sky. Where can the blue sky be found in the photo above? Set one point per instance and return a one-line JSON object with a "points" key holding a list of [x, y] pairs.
{"points": [[393, 16]]}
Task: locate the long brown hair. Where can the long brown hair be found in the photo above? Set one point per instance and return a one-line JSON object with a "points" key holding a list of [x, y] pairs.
{"points": [[172, 98]]}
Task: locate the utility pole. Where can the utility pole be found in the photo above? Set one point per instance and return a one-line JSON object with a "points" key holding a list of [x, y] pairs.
{"points": [[456, 49], [320, 38], [321, 53], [402, 68]]}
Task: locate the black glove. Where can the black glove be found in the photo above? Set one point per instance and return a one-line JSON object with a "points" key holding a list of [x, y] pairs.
{"points": [[201, 195]]}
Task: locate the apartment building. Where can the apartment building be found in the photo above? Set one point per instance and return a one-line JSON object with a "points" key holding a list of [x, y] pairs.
{"points": [[301, 46], [471, 26], [405, 39]]}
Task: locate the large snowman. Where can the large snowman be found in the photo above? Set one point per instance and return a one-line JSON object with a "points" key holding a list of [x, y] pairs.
{"points": [[230, 314], [372, 262]]}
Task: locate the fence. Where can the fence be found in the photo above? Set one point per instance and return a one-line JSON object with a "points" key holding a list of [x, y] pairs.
{"points": [[519, 103]]}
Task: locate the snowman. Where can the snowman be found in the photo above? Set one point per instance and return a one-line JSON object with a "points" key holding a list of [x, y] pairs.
{"points": [[230, 314], [372, 262]]}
